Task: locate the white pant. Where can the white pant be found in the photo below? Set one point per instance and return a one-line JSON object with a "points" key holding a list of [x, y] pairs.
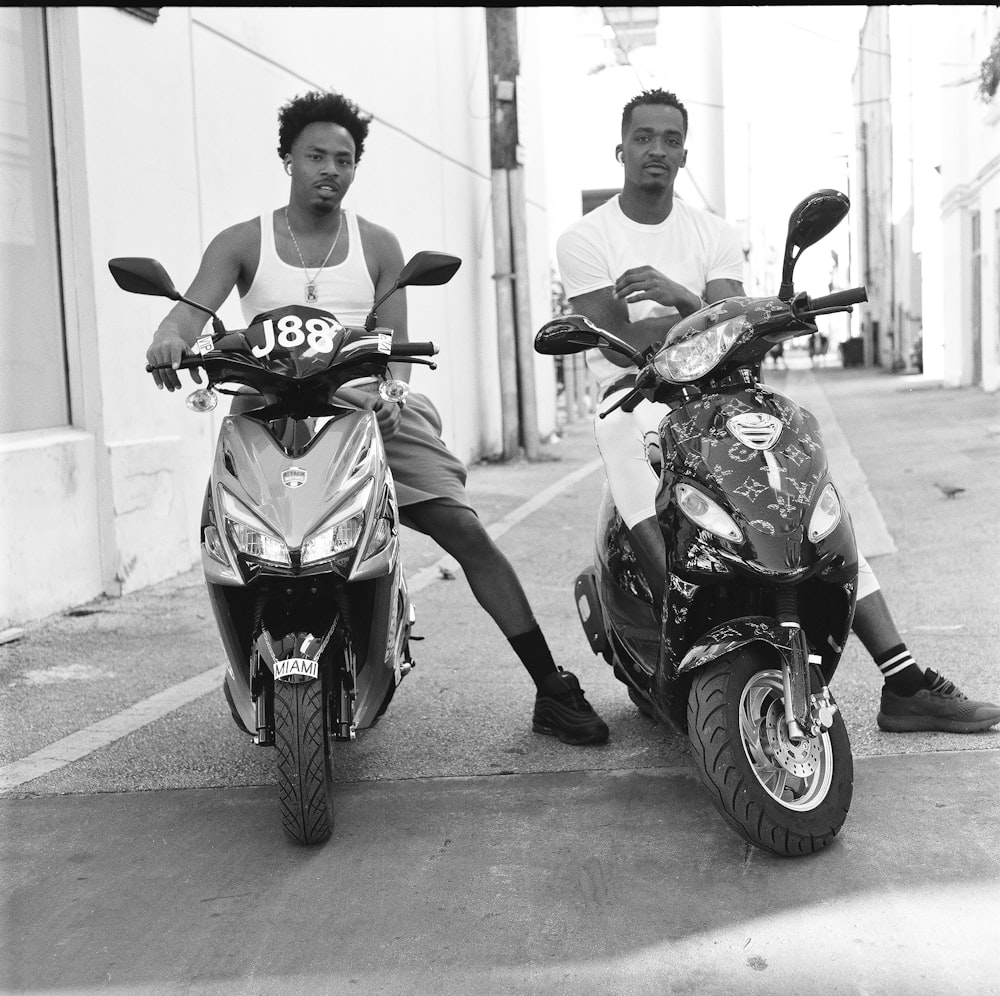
{"points": [[621, 440]]}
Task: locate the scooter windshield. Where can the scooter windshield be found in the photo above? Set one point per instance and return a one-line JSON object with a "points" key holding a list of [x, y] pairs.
{"points": [[298, 342]]}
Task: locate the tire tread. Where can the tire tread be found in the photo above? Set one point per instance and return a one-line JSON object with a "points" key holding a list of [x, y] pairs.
{"points": [[735, 796], [302, 762]]}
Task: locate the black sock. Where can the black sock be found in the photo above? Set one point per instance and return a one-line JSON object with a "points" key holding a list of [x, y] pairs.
{"points": [[900, 671], [534, 654]]}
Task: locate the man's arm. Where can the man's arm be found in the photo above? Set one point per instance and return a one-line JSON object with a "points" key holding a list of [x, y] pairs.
{"points": [[719, 290], [607, 308], [215, 279], [384, 257], [607, 312]]}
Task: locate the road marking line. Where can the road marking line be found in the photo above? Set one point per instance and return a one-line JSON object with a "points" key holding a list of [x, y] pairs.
{"points": [[107, 731], [870, 529]]}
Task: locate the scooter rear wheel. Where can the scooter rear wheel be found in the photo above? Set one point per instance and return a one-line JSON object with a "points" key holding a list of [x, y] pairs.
{"points": [[305, 768], [785, 797]]}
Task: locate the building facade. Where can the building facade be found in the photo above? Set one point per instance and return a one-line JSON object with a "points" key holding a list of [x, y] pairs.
{"points": [[145, 131], [928, 173]]}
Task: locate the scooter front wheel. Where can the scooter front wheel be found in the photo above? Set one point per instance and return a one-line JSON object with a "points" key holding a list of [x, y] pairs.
{"points": [[305, 769], [785, 796]]}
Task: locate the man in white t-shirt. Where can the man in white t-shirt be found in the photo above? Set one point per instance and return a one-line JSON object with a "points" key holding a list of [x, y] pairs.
{"points": [[636, 265]]}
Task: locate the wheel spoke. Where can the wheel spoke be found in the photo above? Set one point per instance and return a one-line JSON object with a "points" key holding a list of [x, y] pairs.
{"points": [[752, 738], [778, 782]]}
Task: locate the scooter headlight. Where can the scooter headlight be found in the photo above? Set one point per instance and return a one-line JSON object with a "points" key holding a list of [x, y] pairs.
{"points": [[826, 516], [694, 354], [704, 512], [339, 533], [333, 540], [250, 535]]}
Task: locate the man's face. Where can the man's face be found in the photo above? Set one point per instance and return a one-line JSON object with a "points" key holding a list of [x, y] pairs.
{"points": [[653, 147], [322, 161]]}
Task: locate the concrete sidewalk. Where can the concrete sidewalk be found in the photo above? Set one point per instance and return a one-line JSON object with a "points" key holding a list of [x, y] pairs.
{"points": [[471, 855]]}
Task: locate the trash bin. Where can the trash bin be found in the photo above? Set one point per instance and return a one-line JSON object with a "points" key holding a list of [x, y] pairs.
{"points": [[852, 352]]}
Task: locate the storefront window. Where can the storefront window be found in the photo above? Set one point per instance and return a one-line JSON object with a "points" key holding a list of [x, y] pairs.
{"points": [[34, 392]]}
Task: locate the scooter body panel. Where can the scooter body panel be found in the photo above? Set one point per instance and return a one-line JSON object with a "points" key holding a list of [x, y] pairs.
{"points": [[718, 592], [336, 472], [761, 457]]}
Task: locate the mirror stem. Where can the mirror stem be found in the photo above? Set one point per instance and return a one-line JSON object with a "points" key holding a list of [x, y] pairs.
{"points": [[217, 325]]}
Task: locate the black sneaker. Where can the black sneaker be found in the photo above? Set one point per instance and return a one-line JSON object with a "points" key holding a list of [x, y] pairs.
{"points": [[562, 710], [940, 706]]}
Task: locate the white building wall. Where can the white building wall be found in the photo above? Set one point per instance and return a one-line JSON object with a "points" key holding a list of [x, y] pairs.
{"points": [[970, 182], [166, 133]]}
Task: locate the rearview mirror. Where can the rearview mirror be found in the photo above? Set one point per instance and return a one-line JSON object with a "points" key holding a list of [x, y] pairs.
{"points": [[812, 218], [425, 269], [565, 335], [428, 269], [576, 334], [141, 275]]}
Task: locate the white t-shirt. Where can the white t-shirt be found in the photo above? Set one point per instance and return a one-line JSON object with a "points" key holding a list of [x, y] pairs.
{"points": [[691, 246]]}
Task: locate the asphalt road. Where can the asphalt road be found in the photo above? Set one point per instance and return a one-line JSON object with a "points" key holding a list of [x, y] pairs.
{"points": [[144, 854]]}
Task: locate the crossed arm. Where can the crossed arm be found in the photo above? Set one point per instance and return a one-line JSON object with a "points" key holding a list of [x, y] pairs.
{"points": [[607, 307]]}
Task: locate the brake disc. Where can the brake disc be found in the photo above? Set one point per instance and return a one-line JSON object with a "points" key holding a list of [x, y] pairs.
{"points": [[800, 759]]}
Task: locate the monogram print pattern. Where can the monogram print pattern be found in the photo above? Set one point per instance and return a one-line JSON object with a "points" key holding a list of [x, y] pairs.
{"points": [[785, 479], [750, 489]]}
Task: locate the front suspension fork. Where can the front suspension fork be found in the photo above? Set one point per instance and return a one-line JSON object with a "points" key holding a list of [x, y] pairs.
{"points": [[806, 715]]}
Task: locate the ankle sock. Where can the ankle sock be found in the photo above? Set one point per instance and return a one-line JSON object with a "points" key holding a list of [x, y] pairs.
{"points": [[534, 654], [900, 671]]}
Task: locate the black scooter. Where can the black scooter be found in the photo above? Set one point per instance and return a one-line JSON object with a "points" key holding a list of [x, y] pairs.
{"points": [[761, 563]]}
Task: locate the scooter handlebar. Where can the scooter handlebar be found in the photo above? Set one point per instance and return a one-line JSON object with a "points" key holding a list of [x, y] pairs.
{"points": [[186, 362], [400, 350], [839, 299]]}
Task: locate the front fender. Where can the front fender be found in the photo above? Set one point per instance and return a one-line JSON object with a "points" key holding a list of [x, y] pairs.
{"points": [[737, 633]]}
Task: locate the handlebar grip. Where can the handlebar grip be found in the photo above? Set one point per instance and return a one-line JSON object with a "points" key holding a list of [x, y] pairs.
{"points": [[186, 362], [403, 349], [839, 299]]}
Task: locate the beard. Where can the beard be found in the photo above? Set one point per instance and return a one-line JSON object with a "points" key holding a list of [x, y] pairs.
{"points": [[325, 207], [654, 184]]}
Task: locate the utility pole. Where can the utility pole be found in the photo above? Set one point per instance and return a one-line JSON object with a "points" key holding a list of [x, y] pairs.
{"points": [[514, 334]]}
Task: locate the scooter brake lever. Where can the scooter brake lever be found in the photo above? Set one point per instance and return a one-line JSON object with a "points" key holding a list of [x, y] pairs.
{"points": [[626, 399]]}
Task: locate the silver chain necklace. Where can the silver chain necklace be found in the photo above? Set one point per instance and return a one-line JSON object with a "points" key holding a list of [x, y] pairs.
{"points": [[311, 295]]}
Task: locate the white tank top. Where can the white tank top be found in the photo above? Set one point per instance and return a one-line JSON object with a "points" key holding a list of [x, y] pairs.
{"points": [[345, 289]]}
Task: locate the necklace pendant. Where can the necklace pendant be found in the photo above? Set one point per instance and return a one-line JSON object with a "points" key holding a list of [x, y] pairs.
{"points": [[311, 291]]}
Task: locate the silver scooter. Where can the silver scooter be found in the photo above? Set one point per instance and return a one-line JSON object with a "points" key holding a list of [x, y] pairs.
{"points": [[300, 530]]}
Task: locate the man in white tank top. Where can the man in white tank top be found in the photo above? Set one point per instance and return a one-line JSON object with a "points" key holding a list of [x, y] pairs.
{"points": [[316, 252], [635, 266]]}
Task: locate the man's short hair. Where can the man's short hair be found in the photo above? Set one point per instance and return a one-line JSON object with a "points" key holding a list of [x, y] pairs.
{"points": [[662, 97], [321, 105]]}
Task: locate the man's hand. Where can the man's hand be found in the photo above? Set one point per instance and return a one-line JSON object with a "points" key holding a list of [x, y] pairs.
{"points": [[169, 348], [387, 413], [645, 283]]}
